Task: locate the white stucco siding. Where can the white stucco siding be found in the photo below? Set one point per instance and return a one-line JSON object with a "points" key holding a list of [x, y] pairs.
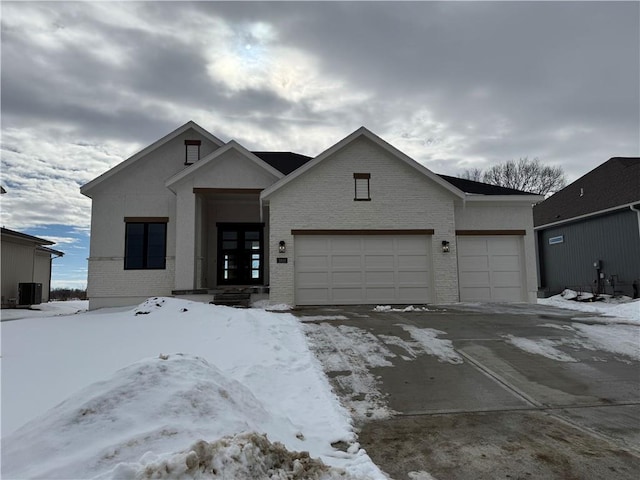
{"points": [[323, 198], [500, 216]]}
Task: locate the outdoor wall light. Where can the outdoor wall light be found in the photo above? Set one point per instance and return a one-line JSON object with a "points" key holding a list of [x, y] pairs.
{"points": [[445, 246], [282, 247]]}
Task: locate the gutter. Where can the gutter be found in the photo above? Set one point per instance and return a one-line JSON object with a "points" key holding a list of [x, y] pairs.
{"points": [[586, 215]]}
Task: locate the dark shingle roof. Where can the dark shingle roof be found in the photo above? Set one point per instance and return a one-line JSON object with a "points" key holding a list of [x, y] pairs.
{"points": [[285, 162], [469, 186], [614, 183]]}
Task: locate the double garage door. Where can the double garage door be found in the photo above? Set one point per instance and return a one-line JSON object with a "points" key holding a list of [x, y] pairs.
{"points": [[491, 268], [363, 269]]}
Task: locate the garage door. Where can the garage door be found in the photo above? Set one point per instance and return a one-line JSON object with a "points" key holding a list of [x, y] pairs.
{"points": [[490, 269], [362, 269]]}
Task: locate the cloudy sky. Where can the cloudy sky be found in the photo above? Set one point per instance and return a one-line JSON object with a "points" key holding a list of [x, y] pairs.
{"points": [[455, 85]]}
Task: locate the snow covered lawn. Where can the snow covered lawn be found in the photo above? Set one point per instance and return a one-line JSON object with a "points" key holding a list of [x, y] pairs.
{"points": [[613, 310], [170, 389]]}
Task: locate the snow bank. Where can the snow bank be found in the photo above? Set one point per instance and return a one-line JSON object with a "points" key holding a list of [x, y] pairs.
{"points": [[623, 310], [248, 361]]}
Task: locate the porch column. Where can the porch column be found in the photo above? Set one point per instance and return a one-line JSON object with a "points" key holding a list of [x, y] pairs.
{"points": [[185, 238]]}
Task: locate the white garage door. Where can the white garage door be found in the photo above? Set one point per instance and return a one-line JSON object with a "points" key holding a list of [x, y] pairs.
{"points": [[362, 269], [490, 269]]}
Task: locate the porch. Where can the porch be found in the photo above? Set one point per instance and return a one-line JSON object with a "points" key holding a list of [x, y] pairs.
{"points": [[227, 252]]}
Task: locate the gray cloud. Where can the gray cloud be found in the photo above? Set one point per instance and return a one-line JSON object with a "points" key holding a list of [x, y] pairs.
{"points": [[453, 84]]}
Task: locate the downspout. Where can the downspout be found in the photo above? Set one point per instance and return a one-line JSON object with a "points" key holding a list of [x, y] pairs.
{"points": [[632, 207]]}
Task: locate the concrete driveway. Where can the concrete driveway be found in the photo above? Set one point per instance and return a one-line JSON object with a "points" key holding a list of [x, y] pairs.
{"points": [[485, 392]]}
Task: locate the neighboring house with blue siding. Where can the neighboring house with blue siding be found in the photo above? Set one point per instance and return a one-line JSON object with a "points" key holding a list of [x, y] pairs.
{"points": [[588, 234]]}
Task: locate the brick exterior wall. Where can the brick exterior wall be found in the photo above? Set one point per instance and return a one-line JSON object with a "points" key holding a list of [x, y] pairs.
{"points": [[401, 198]]}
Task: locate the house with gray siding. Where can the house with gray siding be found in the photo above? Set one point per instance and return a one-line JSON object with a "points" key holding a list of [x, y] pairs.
{"points": [[26, 268], [360, 223], [588, 234]]}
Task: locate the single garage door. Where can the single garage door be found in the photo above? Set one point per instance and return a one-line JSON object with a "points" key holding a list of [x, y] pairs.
{"points": [[490, 268], [362, 269]]}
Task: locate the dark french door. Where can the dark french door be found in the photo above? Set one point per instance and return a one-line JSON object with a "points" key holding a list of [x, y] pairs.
{"points": [[240, 253]]}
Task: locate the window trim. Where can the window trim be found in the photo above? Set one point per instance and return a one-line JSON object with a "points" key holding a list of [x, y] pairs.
{"points": [[191, 143], [361, 176], [145, 221]]}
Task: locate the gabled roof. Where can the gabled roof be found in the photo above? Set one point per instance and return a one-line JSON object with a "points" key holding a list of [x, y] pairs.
{"points": [[613, 184], [37, 241], [85, 189], [285, 162], [212, 157], [362, 132], [479, 188]]}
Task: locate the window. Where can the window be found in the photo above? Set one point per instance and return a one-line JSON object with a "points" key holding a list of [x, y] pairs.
{"points": [[362, 192], [192, 148], [145, 244]]}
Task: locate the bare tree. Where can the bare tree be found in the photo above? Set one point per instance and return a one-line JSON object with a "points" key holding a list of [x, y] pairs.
{"points": [[474, 174], [526, 175]]}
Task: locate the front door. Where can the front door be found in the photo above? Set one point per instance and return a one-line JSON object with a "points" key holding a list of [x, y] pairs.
{"points": [[240, 253]]}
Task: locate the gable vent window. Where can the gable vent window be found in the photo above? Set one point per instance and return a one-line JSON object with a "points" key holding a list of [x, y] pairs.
{"points": [[192, 148], [362, 191]]}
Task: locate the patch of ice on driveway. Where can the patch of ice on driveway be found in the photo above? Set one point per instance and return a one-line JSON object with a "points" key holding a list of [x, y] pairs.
{"points": [[421, 475], [428, 340], [316, 318], [541, 346], [349, 352]]}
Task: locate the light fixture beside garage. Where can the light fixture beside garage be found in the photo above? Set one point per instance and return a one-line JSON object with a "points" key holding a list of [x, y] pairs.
{"points": [[282, 247], [445, 246]]}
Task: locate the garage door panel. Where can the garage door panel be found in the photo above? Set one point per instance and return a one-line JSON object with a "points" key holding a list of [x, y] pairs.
{"points": [[480, 294], [378, 244], [347, 295], [363, 269], [506, 279], [313, 296], [474, 246], [503, 263], [378, 261], [313, 246], [380, 278], [413, 262], [409, 294], [346, 262], [340, 279], [345, 244], [418, 277], [475, 263], [490, 268], [313, 262], [314, 279]]}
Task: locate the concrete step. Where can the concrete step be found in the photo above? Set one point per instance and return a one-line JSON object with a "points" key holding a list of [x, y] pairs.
{"points": [[232, 299]]}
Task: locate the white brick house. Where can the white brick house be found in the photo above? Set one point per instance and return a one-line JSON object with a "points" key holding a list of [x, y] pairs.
{"points": [[361, 223]]}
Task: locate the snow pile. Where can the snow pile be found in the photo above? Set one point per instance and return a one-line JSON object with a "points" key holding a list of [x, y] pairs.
{"points": [[243, 371], [410, 308], [266, 305], [622, 309], [248, 456]]}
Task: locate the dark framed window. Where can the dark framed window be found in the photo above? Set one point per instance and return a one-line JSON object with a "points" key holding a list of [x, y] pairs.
{"points": [[145, 245], [362, 190], [192, 151]]}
